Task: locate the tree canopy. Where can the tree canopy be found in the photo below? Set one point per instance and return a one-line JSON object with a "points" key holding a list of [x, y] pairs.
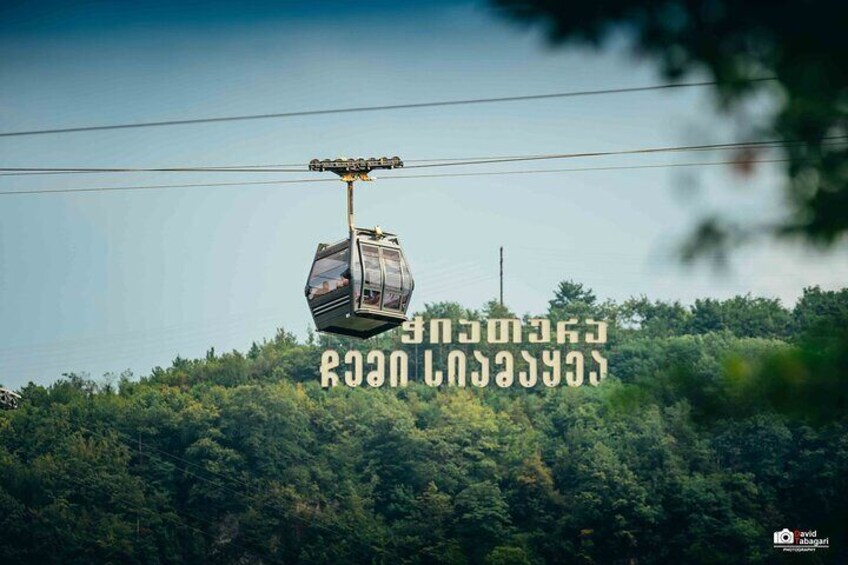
{"points": [[720, 422]]}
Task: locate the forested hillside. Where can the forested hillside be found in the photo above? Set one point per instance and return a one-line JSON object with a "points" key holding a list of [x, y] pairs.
{"points": [[719, 423]]}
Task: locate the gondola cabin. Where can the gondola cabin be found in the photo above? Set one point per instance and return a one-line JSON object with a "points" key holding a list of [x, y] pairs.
{"points": [[360, 286], [9, 400]]}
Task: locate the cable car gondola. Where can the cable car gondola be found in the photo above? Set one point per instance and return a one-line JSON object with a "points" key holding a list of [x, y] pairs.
{"points": [[9, 400], [360, 286]]}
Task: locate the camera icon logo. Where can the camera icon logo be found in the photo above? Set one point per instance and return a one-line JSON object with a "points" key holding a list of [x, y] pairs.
{"points": [[784, 536]]}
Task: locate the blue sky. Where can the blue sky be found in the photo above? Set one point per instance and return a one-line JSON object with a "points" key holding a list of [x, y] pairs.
{"points": [[111, 281]]}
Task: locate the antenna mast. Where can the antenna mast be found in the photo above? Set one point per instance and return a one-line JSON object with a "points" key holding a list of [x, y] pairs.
{"points": [[501, 275]]}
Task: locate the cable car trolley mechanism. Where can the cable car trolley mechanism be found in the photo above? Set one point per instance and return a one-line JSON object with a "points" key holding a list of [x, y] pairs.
{"points": [[360, 286]]}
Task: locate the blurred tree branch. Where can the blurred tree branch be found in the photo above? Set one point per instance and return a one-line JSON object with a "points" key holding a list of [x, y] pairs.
{"points": [[801, 44]]}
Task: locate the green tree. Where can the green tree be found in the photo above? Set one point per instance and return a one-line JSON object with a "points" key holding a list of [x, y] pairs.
{"points": [[481, 518]]}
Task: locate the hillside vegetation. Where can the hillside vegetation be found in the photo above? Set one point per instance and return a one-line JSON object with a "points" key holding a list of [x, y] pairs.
{"points": [[719, 423]]}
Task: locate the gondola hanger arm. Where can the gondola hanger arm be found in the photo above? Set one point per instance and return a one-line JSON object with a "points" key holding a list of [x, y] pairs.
{"points": [[352, 170]]}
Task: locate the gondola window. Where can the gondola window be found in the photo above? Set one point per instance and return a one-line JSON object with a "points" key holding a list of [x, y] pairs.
{"points": [[329, 274]]}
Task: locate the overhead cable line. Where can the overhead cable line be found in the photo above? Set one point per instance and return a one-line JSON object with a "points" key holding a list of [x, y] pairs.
{"points": [[418, 176], [445, 162], [161, 186], [669, 149], [26, 171], [768, 143], [358, 109], [583, 169], [247, 169]]}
